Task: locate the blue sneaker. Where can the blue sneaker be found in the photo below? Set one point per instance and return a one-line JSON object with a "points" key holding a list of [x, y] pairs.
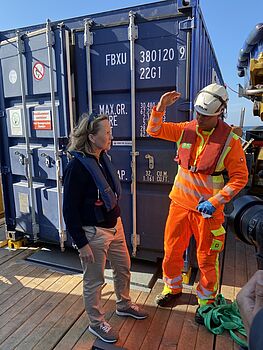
{"points": [[133, 311]]}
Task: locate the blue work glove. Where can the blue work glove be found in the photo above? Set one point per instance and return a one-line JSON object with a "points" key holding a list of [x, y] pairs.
{"points": [[206, 207]]}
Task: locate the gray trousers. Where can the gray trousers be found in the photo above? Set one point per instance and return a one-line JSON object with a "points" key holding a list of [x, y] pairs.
{"points": [[106, 244]]}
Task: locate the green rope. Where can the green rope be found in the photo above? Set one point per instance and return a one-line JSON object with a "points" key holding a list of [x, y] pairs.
{"points": [[221, 316]]}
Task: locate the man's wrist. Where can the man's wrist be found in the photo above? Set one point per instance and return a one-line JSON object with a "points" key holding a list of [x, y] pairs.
{"points": [[160, 107]]}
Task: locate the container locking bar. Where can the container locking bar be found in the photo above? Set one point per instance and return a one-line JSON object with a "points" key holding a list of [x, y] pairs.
{"points": [[26, 160], [88, 41], [50, 43], [133, 35]]}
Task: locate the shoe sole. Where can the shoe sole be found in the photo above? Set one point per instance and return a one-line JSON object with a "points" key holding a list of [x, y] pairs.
{"points": [[99, 336], [122, 313]]}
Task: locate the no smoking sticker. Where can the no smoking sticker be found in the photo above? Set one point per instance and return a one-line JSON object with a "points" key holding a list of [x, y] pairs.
{"points": [[38, 71]]}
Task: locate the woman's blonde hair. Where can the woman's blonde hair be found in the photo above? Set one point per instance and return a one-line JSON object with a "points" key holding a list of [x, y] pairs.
{"points": [[87, 125]]}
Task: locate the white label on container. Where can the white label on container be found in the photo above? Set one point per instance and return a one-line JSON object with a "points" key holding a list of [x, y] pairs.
{"points": [[12, 76], [42, 120], [23, 203], [15, 122], [122, 143]]}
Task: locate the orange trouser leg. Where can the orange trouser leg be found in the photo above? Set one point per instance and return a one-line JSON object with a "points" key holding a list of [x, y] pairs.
{"points": [[210, 242], [176, 240]]}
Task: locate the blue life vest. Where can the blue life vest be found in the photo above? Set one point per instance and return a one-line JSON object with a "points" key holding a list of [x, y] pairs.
{"points": [[107, 195]]}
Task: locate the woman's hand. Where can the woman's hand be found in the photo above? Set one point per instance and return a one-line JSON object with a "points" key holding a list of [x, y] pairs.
{"points": [[86, 254], [167, 99]]}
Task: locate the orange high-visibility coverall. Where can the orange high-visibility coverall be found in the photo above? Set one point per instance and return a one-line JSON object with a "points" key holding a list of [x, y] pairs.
{"points": [[184, 219]]}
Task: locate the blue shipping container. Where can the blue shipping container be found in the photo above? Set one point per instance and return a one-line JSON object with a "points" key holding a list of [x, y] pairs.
{"points": [[118, 63]]}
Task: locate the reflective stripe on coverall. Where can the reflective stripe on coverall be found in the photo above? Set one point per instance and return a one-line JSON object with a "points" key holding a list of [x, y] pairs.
{"points": [[184, 219]]}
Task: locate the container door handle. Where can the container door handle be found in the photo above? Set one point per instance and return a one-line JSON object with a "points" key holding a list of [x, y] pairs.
{"points": [[150, 160], [21, 158], [47, 159]]}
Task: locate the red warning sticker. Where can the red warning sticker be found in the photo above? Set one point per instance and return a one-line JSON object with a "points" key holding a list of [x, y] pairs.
{"points": [[38, 71], [42, 120]]}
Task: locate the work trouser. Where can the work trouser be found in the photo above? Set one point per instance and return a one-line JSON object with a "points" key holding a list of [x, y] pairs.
{"points": [[209, 235], [106, 244]]}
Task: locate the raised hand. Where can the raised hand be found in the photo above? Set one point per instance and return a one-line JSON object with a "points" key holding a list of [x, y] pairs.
{"points": [[167, 100]]}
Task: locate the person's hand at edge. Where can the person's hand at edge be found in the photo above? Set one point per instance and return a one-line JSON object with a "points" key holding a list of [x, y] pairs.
{"points": [[250, 299], [86, 254]]}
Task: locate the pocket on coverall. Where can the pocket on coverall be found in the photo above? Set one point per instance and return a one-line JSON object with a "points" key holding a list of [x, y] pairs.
{"points": [[218, 239]]}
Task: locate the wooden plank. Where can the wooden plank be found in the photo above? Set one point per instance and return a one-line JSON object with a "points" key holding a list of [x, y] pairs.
{"points": [[14, 318], [7, 254], [223, 342], [13, 276], [78, 333], [74, 333], [205, 339], [172, 334], [240, 266], [130, 322], [18, 304], [228, 278], [139, 331], [55, 315], [190, 328], [18, 290], [251, 260], [61, 327], [44, 307]]}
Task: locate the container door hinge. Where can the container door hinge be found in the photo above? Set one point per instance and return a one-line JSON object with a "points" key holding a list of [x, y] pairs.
{"points": [[20, 42], [133, 29], [88, 35], [51, 38], [73, 37], [133, 33], [2, 114], [187, 24], [5, 170]]}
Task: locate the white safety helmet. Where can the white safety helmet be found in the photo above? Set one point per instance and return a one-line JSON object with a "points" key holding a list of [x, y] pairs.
{"points": [[211, 100]]}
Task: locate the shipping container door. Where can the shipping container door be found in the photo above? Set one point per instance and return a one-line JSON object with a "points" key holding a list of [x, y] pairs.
{"points": [[160, 61], [35, 128]]}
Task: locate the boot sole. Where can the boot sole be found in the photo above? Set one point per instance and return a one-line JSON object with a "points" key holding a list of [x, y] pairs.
{"points": [[122, 313], [99, 336], [168, 303]]}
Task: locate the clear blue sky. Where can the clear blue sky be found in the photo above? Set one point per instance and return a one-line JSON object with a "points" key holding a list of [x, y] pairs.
{"points": [[229, 23]]}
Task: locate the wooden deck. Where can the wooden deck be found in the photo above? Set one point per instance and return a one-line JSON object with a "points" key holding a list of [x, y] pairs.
{"points": [[42, 309]]}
